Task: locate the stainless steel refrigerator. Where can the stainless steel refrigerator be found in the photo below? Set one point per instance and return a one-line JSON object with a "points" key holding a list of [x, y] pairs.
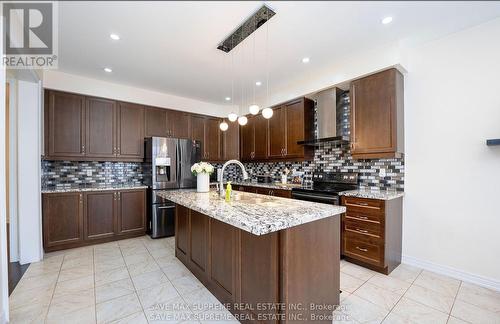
{"points": [[167, 166]]}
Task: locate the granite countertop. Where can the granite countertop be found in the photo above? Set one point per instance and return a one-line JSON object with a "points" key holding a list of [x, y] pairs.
{"points": [[269, 185], [254, 213], [373, 194], [93, 188]]}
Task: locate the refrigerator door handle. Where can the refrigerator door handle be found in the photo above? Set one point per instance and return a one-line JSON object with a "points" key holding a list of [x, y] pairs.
{"points": [[179, 164]]}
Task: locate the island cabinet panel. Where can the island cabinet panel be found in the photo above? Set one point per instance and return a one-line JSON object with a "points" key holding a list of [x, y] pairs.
{"points": [[198, 242], [100, 211], [182, 233], [101, 132], [377, 115], [62, 219], [64, 124], [155, 122], [223, 266], [130, 131], [132, 211]]}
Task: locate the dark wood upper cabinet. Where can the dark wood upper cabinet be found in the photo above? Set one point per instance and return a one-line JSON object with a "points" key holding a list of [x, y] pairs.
{"points": [[100, 211], [132, 211], [277, 134], [130, 134], [231, 142], [65, 124], [213, 139], [377, 115], [179, 124], [299, 126], [155, 122], [62, 219], [100, 128], [198, 132], [247, 140], [260, 137]]}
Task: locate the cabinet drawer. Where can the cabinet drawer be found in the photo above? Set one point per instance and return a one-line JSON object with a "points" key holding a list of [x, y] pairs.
{"points": [[367, 229], [364, 204], [361, 215], [357, 246]]}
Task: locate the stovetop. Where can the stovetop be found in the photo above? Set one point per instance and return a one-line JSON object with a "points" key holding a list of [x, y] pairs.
{"points": [[331, 183]]}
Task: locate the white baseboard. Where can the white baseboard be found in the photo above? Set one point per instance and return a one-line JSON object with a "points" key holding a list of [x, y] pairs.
{"points": [[452, 272]]}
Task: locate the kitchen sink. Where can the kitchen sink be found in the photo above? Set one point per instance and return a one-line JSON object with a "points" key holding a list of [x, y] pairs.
{"points": [[253, 200]]}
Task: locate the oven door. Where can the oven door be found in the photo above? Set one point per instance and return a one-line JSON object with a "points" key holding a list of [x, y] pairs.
{"points": [[312, 196]]}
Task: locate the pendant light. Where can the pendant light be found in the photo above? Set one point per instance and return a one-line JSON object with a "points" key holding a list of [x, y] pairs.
{"points": [[243, 120], [223, 126], [254, 108], [232, 117], [267, 112]]}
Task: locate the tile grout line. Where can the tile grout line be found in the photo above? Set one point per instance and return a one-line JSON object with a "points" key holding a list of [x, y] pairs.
{"points": [[454, 300], [55, 286]]}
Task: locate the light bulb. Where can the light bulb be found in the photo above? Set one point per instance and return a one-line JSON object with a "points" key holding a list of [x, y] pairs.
{"points": [[232, 117], [267, 113], [254, 109], [223, 126], [242, 120]]}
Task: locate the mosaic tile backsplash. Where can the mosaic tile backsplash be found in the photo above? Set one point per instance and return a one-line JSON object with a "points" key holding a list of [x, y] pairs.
{"points": [[69, 174]]}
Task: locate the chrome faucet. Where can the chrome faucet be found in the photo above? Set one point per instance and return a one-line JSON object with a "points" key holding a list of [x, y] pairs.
{"points": [[221, 184]]}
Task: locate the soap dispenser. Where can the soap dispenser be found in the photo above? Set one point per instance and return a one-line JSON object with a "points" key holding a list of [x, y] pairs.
{"points": [[229, 189]]}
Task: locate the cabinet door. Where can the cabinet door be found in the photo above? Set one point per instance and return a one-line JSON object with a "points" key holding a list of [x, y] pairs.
{"points": [[65, 125], [198, 133], [132, 211], [213, 139], [198, 243], [130, 131], [100, 215], [247, 140], [294, 128], [261, 142], [231, 140], [181, 232], [155, 122], [277, 133], [100, 130], [373, 113], [62, 217], [179, 124]]}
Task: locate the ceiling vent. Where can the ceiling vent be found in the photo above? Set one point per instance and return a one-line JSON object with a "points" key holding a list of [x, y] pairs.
{"points": [[259, 18]]}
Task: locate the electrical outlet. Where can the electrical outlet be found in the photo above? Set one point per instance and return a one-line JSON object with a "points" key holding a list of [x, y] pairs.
{"points": [[89, 173], [381, 173]]}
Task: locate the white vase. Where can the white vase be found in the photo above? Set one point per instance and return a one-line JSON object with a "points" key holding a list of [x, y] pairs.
{"points": [[202, 182]]}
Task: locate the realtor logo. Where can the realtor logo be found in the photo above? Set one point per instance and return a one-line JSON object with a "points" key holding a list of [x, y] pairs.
{"points": [[30, 35]]}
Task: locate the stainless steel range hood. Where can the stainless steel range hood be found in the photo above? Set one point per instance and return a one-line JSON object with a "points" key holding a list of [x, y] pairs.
{"points": [[326, 115]]}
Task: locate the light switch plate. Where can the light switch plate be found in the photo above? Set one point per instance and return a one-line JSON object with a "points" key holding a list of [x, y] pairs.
{"points": [[381, 173], [89, 173]]}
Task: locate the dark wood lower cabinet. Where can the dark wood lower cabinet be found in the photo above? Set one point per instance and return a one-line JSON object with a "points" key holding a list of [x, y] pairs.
{"points": [[82, 218], [264, 279]]}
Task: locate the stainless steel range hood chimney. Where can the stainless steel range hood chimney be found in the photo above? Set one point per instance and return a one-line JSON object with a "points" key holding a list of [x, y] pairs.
{"points": [[327, 119]]}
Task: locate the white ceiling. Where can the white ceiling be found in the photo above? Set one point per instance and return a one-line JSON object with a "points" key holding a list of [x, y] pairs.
{"points": [[171, 46]]}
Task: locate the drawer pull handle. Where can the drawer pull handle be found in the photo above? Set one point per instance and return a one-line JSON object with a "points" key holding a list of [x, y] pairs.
{"points": [[361, 231], [362, 204], [361, 249], [362, 217]]}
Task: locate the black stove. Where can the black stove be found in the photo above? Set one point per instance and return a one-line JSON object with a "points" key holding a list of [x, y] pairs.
{"points": [[326, 187]]}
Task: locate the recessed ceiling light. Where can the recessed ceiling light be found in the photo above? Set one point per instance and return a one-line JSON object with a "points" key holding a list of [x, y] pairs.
{"points": [[114, 37], [387, 20], [227, 98], [305, 60], [108, 70], [258, 83]]}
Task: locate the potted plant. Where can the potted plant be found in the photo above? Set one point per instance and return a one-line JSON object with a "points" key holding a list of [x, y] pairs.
{"points": [[202, 171]]}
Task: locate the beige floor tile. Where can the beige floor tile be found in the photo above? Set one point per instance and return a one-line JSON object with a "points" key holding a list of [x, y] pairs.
{"points": [[343, 295], [82, 316], [57, 256], [134, 249], [108, 276], [68, 303], [186, 284], [25, 297], [161, 253], [131, 242], [155, 245], [479, 296], [113, 290], [108, 264], [343, 263], [393, 318], [362, 310], [74, 285], [349, 283], [218, 315], [144, 267], [438, 283], [47, 280], [42, 268], [388, 283], [117, 308], [454, 320], [138, 258], [175, 270], [75, 273], [413, 312], [79, 253], [77, 262], [174, 311], [100, 256], [357, 271], [378, 296], [34, 313], [474, 314], [167, 260], [430, 298], [149, 279], [136, 318], [201, 300], [405, 273], [150, 297]]}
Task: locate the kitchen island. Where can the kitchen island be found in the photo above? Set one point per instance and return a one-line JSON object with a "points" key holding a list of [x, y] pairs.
{"points": [[268, 259]]}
